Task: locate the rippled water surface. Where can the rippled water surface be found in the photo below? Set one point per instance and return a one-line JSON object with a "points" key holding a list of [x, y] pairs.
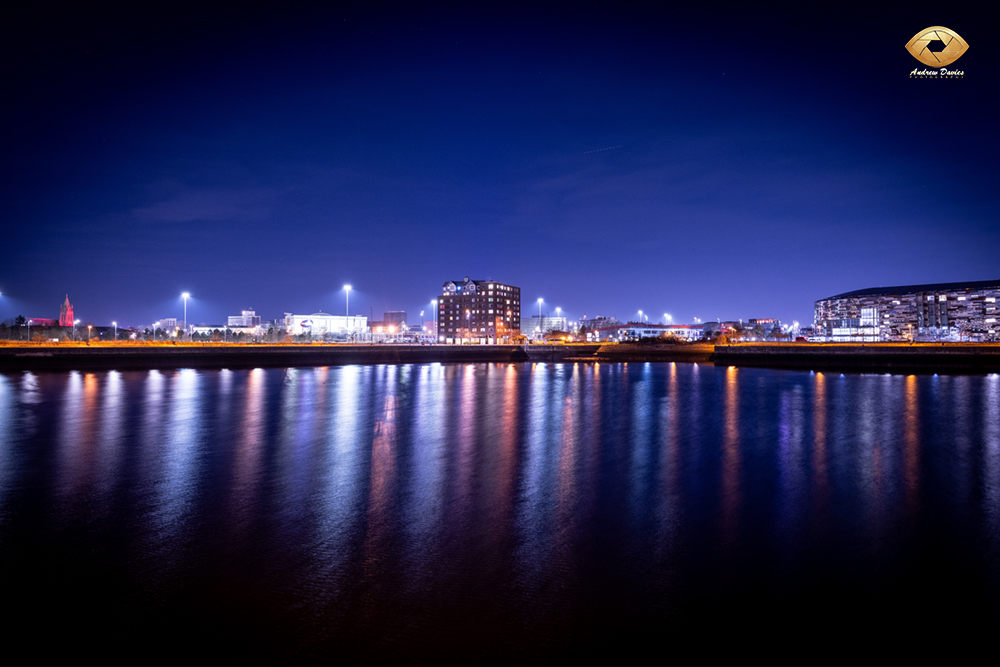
{"points": [[484, 511]]}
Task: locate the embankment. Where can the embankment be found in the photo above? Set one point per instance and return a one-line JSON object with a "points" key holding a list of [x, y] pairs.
{"points": [[107, 356], [894, 357], [689, 352]]}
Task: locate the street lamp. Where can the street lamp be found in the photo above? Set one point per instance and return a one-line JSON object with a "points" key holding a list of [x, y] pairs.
{"points": [[437, 319], [539, 309], [29, 331], [558, 313], [89, 327], [640, 317], [75, 322], [347, 301], [467, 333], [185, 296], [116, 331]]}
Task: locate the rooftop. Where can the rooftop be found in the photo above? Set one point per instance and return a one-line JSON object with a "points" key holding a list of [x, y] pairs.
{"points": [[913, 289]]}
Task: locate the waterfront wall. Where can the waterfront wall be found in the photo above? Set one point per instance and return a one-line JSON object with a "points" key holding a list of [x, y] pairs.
{"points": [[955, 357], [950, 357], [687, 352], [121, 357]]}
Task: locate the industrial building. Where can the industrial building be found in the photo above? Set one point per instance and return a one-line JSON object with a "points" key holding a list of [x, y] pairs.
{"points": [[478, 311], [939, 312], [325, 324], [248, 318], [634, 331], [536, 327]]}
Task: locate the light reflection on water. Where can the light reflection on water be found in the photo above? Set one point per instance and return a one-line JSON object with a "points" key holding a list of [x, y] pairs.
{"points": [[525, 504]]}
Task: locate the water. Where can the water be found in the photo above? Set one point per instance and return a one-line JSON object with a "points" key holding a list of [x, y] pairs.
{"points": [[490, 511]]}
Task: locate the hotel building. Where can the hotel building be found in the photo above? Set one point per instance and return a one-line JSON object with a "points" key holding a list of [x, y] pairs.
{"points": [[942, 311], [478, 311]]}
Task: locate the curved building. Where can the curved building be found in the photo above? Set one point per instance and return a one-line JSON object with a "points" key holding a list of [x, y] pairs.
{"points": [[940, 311]]}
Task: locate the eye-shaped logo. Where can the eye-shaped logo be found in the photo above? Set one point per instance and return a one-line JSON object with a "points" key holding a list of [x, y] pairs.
{"points": [[937, 46]]}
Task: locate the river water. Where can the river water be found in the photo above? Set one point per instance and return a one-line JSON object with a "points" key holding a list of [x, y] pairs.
{"points": [[482, 512]]}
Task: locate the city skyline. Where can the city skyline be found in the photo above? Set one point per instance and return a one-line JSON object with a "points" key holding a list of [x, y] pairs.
{"points": [[607, 163]]}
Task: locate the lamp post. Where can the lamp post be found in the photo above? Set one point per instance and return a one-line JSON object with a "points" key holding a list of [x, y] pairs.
{"points": [[89, 327], [437, 319], [539, 309], [559, 314], [185, 296], [75, 322], [347, 301], [640, 317], [29, 331], [468, 334], [116, 331]]}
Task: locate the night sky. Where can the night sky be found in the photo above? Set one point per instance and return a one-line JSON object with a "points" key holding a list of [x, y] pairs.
{"points": [[710, 165]]}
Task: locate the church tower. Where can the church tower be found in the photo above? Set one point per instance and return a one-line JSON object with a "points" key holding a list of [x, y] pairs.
{"points": [[66, 314]]}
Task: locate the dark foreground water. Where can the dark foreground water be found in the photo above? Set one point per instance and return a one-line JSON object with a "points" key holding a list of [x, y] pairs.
{"points": [[490, 511]]}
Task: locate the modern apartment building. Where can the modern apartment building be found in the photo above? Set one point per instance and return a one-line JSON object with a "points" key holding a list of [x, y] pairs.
{"points": [[478, 311], [942, 311]]}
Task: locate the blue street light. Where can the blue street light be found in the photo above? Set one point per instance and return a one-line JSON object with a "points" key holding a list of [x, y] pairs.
{"points": [[185, 296]]}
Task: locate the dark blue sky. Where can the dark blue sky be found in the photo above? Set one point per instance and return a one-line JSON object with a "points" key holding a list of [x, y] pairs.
{"points": [[702, 164]]}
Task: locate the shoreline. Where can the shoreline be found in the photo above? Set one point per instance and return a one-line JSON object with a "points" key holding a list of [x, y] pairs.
{"points": [[864, 357], [126, 356], [867, 357]]}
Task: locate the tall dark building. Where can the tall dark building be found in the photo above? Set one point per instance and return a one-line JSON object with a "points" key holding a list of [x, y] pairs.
{"points": [[66, 313], [395, 318], [478, 311]]}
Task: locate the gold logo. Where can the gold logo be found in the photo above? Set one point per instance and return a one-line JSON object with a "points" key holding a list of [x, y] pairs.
{"points": [[937, 46]]}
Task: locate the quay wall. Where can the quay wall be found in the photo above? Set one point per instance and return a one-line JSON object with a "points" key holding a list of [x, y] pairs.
{"points": [[61, 357], [688, 352], [949, 357], [897, 357]]}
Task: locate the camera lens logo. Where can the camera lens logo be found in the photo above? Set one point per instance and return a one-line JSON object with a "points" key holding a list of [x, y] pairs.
{"points": [[937, 46]]}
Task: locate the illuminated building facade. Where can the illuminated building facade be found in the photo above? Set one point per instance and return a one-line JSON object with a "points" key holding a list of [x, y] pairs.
{"points": [[322, 324], [392, 322], [66, 313], [942, 311], [478, 311], [536, 327], [249, 318], [634, 331], [167, 324]]}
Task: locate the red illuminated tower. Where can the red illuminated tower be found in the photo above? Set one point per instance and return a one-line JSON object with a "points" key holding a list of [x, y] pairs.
{"points": [[66, 314]]}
